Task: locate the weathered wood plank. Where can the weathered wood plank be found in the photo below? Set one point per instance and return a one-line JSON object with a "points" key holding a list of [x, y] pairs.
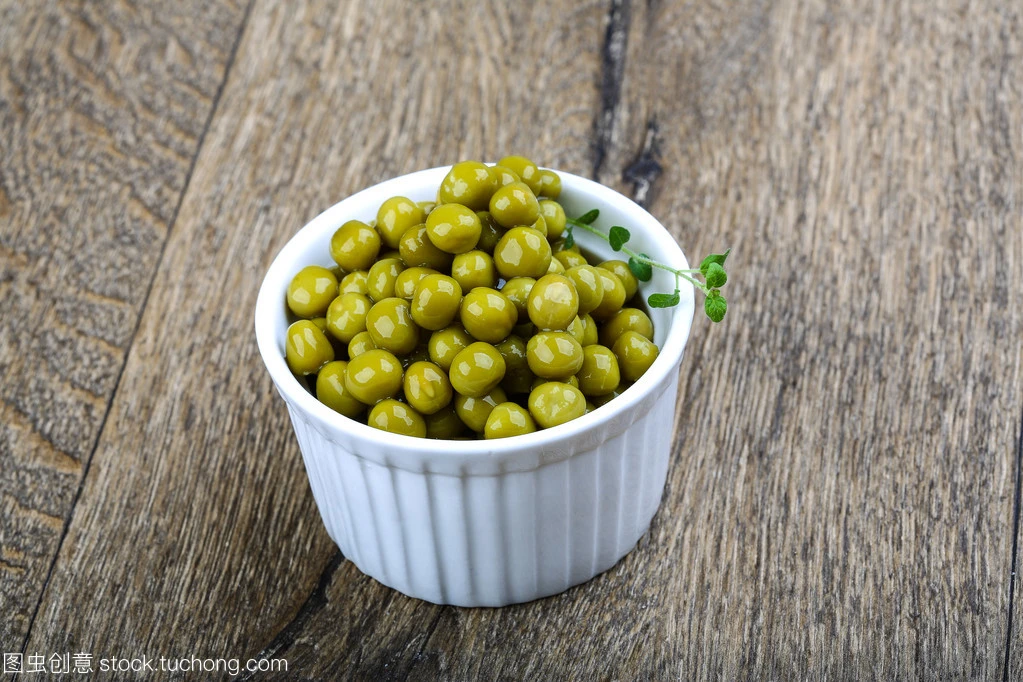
{"points": [[195, 532], [841, 503], [102, 106]]}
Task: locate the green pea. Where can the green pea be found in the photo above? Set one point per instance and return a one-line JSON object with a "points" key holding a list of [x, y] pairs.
{"points": [[332, 392], [397, 417], [307, 348], [554, 403], [507, 420], [355, 246], [311, 291]]}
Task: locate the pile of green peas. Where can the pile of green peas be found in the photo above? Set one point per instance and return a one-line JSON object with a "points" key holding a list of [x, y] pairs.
{"points": [[467, 316]]}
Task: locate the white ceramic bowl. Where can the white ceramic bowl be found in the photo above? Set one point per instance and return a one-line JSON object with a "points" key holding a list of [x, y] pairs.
{"points": [[487, 523]]}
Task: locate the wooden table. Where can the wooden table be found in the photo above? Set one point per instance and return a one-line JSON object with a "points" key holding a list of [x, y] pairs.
{"points": [[843, 501]]}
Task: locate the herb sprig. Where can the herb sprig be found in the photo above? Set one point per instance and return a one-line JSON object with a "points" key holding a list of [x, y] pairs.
{"points": [[712, 268]]}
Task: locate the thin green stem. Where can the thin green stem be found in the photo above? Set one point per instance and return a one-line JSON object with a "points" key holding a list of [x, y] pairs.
{"points": [[641, 258]]}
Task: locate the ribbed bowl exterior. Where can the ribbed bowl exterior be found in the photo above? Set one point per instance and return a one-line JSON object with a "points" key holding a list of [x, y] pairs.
{"points": [[488, 522], [491, 540]]}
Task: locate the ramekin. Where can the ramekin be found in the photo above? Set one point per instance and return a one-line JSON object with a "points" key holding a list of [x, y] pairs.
{"points": [[487, 522]]}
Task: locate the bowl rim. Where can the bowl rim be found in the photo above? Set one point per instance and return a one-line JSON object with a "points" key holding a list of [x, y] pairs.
{"points": [[415, 453]]}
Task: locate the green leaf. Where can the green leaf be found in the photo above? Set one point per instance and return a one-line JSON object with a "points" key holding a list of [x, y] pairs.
{"points": [[716, 275], [588, 217], [641, 270], [718, 258], [617, 237], [715, 305], [663, 300], [569, 239]]}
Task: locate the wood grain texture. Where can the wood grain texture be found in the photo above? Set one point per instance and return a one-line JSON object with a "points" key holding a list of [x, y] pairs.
{"points": [[847, 502], [840, 505], [195, 533], [102, 106]]}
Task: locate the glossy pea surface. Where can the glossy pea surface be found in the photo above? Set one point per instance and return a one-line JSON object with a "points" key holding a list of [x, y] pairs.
{"points": [[507, 420], [390, 324], [394, 416], [374, 376], [311, 290], [355, 246], [332, 392], [487, 314], [522, 252], [477, 370], [554, 403], [306, 348]]}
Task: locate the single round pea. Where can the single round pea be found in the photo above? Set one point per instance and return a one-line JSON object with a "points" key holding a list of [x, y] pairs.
{"points": [[390, 324], [477, 370], [469, 183], [525, 169], [396, 215], [508, 419], [514, 205], [445, 344], [487, 314], [359, 344], [355, 246], [346, 316], [490, 232], [570, 259], [427, 206], [621, 269], [474, 269], [522, 252], [599, 374], [408, 279], [626, 319], [554, 355], [444, 424], [382, 277], [554, 215], [453, 228], [555, 268], [436, 301], [311, 290], [587, 284], [427, 387], [373, 376], [590, 331], [396, 417], [307, 348], [550, 184], [354, 283], [553, 302], [332, 392], [474, 411], [635, 355], [554, 403], [418, 251], [504, 175], [517, 290], [613, 297]]}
